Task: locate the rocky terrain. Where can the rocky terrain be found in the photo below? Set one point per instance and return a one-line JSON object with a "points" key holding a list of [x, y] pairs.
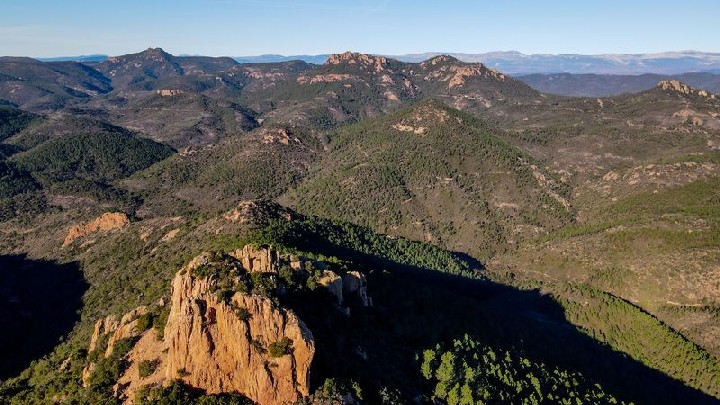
{"points": [[358, 231], [217, 343]]}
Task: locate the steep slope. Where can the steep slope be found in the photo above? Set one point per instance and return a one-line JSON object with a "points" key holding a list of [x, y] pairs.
{"points": [[432, 173], [134, 69], [91, 156], [43, 86], [262, 163], [216, 339], [175, 117], [13, 120], [646, 234]]}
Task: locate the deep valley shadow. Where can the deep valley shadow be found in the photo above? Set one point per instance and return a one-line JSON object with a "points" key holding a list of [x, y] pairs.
{"points": [[416, 308], [40, 302]]}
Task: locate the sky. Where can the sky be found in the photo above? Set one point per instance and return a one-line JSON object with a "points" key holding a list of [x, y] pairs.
{"points": [[48, 28]]}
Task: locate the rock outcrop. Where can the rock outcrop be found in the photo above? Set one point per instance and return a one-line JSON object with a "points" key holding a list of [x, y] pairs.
{"points": [[259, 213], [333, 283], [455, 73], [377, 63], [680, 87], [241, 342], [169, 92], [105, 222], [260, 260], [211, 347], [354, 284]]}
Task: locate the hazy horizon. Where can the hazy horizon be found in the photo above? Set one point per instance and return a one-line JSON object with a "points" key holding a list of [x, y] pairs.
{"points": [[46, 29], [101, 53]]}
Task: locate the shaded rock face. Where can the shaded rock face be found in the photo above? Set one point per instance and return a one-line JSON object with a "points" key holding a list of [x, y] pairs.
{"points": [[354, 285], [105, 222], [210, 347], [333, 283], [115, 330]]}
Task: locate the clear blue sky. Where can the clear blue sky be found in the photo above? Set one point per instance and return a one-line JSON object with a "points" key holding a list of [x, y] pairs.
{"points": [[43, 28]]}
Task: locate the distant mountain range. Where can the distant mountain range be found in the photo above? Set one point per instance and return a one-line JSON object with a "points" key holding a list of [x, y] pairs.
{"points": [[596, 85], [80, 58], [517, 63]]}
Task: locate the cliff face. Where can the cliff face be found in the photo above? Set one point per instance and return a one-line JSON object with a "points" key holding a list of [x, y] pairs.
{"points": [[237, 342], [211, 347]]}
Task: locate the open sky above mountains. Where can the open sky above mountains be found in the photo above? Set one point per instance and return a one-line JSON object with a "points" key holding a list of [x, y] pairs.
{"points": [[46, 28]]}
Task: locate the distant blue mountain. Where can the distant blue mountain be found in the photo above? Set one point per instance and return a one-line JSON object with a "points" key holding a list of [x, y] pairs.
{"points": [[270, 58], [521, 64], [81, 58], [516, 63]]}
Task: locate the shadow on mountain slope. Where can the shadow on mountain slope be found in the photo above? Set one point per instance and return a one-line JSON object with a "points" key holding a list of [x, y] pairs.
{"points": [[39, 304], [416, 308]]}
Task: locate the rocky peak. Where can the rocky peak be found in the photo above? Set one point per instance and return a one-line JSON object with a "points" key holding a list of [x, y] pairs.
{"points": [[378, 63], [153, 62], [221, 334], [212, 347], [440, 59], [456, 73], [219, 343], [680, 87], [150, 54]]}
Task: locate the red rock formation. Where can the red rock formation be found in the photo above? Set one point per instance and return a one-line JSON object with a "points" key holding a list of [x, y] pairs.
{"points": [[210, 347], [105, 222]]}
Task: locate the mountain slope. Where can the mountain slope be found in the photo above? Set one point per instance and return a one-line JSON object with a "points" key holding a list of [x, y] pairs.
{"points": [[43, 86], [432, 173], [526, 331], [263, 163], [175, 117]]}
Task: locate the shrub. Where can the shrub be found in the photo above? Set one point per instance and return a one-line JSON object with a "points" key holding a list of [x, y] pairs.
{"points": [[243, 314], [147, 367], [144, 322], [258, 346], [280, 348], [160, 320]]}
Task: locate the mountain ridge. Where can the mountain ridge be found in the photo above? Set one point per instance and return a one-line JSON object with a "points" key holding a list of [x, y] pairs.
{"points": [[514, 62]]}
